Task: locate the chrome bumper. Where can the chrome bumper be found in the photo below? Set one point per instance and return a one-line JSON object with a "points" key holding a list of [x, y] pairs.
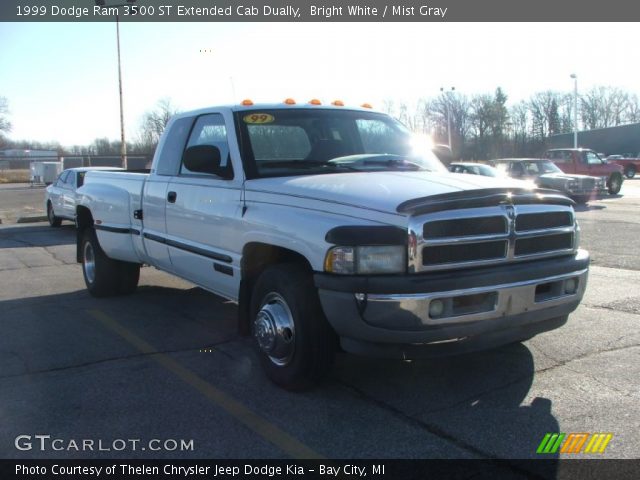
{"points": [[474, 304], [476, 309]]}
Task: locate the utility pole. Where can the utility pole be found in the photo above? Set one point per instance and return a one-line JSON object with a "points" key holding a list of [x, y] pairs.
{"points": [[575, 110]]}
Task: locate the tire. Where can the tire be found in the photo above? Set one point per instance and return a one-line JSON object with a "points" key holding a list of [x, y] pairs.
{"points": [[298, 353], [53, 220], [630, 171], [581, 200], [100, 272], [129, 274], [614, 184]]}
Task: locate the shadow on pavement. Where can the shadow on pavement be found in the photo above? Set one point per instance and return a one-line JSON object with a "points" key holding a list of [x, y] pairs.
{"points": [[478, 401], [41, 235]]}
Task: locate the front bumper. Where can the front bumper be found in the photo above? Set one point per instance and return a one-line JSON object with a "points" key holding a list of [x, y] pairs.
{"points": [[480, 308]]}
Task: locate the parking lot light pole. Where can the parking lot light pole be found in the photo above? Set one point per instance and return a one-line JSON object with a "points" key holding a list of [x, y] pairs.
{"points": [[575, 110], [448, 107], [123, 143]]}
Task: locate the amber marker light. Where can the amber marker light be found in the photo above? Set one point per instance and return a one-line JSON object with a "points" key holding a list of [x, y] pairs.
{"points": [[247, 102], [338, 103], [366, 105], [290, 101], [315, 101]]}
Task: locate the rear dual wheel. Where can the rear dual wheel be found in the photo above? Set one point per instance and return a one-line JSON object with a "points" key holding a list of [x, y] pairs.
{"points": [[105, 276]]}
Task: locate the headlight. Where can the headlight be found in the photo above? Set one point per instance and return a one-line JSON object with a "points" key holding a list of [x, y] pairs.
{"points": [[378, 259], [571, 184]]}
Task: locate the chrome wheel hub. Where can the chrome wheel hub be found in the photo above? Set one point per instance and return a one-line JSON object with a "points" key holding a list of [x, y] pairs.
{"points": [[89, 263], [274, 329]]}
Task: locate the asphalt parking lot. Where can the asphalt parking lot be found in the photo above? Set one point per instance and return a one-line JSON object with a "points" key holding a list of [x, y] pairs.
{"points": [[167, 363]]}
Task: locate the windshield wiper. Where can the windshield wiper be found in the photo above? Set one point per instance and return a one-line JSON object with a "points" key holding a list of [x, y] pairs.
{"points": [[302, 164], [384, 160]]}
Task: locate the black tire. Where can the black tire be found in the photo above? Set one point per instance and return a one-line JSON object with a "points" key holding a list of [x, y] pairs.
{"points": [[304, 353], [129, 274], [614, 184], [101, 273], [53, 220], [630, 171], [581, 200]]}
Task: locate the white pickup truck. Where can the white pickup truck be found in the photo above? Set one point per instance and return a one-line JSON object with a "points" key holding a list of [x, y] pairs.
{"points": [[332, 228]]}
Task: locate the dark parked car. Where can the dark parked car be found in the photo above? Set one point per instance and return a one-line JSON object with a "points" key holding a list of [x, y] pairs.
{"points": [[546, 174]]}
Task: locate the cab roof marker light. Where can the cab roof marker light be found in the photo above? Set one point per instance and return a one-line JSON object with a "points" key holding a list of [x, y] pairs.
{"points": [[366, 105], [247, 102], [315, 101], [289, 101], [338, 103]]}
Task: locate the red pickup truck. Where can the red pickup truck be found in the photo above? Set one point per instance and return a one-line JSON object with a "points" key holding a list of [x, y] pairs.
{"points": [[584, 161], [631, 165]]}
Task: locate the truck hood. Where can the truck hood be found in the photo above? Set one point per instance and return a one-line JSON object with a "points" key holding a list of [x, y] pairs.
{"points": [[382, 191]]}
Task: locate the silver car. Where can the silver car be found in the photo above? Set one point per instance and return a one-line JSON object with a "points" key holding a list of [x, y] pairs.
{"points": [[60, 196]]}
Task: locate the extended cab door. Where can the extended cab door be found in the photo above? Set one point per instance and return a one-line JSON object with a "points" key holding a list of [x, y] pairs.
{"points": [[203, 214], [154, 196]]}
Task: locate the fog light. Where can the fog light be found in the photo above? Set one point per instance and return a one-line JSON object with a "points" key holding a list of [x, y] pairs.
{"points": [[436, 307], [570, 286]]}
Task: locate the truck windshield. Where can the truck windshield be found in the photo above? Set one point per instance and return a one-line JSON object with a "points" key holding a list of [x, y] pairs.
{"points": [[278, 142]]}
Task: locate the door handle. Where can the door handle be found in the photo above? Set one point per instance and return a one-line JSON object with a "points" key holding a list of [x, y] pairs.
{"points": [[171, 197]]}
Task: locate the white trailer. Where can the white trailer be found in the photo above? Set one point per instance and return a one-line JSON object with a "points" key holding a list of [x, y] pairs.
{"points": [[44, 172]]}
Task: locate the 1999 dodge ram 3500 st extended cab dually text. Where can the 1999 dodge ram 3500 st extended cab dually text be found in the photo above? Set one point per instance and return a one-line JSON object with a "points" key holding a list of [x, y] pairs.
{"points": [[332, 228]]}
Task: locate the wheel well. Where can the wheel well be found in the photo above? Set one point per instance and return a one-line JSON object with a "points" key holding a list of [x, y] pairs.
{"points": [[84, 220], [256, 257]]}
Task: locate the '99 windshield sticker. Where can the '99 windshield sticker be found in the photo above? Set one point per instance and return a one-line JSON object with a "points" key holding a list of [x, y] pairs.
{"points": [[258, 118]]}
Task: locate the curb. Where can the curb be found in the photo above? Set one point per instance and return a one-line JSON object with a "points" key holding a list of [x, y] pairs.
{"points": [[31, 219]]}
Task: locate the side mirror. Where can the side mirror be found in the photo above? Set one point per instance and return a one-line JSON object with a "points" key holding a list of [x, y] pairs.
{"points": [[206, 159]]}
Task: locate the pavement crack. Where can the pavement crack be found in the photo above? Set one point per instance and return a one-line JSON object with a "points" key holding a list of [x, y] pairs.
{"points": [[439, 432], [600, 382], [433, 429], [55, 256]]}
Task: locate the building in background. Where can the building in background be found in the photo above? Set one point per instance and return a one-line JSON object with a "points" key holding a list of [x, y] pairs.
{"points": [[620, 140]]}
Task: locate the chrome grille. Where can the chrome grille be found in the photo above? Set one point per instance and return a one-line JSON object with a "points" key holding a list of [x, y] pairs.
{"points": [[489, 235]]}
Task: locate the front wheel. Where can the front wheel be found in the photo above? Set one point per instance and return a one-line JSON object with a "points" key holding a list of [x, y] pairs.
{"points": [[294, 340], [53, 220], [615, 183]]}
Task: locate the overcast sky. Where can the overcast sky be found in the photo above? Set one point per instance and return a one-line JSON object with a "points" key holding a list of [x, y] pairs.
{"points": [[61, 78]]}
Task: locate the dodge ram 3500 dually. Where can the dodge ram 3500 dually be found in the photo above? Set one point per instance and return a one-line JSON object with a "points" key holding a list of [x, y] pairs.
{"points": [[331, 227]]}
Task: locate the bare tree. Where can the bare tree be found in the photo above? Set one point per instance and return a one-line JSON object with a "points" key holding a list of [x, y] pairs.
{"points": [[5, 124], [153, 124], [603, 107]]}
